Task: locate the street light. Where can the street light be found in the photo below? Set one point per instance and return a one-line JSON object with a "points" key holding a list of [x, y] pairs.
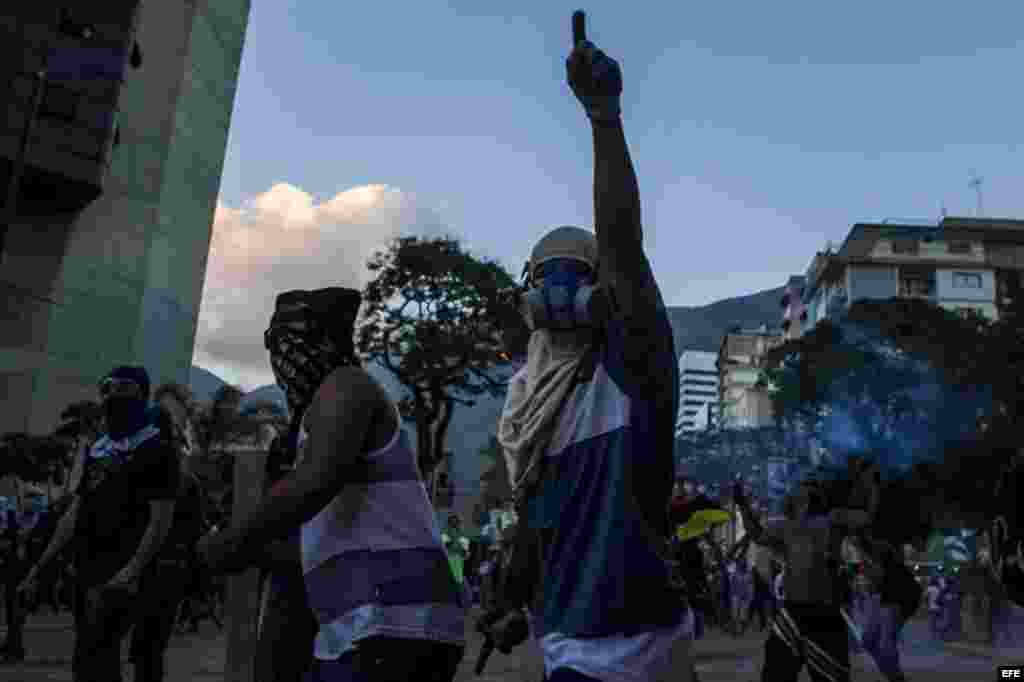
{"points": [[66, 26]]}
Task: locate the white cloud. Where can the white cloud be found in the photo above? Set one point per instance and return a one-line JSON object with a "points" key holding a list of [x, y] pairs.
{"points": [[284, 239]]}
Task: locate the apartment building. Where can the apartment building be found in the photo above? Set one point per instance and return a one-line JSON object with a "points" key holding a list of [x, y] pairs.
{"points": [[104, 258], [960, 264], [698, 391], [745, 403], [794, 312]]}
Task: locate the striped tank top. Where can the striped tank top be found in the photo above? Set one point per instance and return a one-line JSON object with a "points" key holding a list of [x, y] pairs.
{"points": [[373, 560]]}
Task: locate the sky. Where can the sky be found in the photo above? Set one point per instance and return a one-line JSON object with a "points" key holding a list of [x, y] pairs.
{"points": [[759, 131]]}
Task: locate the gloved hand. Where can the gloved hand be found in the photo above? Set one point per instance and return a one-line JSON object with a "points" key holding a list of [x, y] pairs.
{"points": [[507, 629], [595, 78]]}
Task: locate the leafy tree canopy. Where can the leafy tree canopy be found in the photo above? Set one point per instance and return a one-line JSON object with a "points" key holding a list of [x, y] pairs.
{"points": [[436, 317]]}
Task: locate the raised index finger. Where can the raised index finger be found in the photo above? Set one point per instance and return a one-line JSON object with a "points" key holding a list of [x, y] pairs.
{"points": [[579, 27]]}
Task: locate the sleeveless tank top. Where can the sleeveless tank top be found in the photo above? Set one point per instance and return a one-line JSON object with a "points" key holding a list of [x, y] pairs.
{"points": [[373, 560]]}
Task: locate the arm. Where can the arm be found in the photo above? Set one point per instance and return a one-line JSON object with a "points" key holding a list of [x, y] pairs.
{"points": [[161, 514], [633, 293], [765, 537], [633, 297], [65, 531], [337, 421]]}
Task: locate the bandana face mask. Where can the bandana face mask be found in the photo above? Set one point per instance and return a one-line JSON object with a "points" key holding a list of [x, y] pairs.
{"points": [[300, 366]]}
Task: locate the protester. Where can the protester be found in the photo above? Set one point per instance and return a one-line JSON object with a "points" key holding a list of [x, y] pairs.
{"points": [[391, 613], [761, 604], [887, 607], [122, 512], [596, 400], [742, 595], [175, 561], [951, 601], [934, 607], [39, 538], [456, 544], [809, 628], [14, 569]]}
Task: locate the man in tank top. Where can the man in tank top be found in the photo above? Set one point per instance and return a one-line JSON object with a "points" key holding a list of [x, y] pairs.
{"points": [[375, 569]]}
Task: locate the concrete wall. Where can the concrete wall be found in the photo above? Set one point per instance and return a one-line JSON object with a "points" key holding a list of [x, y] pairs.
{"points": [[121, 281]]}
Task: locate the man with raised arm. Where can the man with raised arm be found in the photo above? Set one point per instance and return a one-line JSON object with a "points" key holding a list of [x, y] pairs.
{"points": [[809, 627], [588, 426]]}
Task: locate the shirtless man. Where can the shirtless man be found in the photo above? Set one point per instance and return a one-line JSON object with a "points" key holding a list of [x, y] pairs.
{"points": [[809, 627]]}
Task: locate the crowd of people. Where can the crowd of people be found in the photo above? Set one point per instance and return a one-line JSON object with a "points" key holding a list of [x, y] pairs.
{"points": [[593, 557], [105, 544]]}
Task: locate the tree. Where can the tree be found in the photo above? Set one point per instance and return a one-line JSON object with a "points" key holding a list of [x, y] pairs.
{"points": [[495, 484], [905, 383], [219, 425], [437, 318]]}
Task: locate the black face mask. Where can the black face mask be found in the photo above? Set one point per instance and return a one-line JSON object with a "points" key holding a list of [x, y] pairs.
{"points": [[125, 415]]}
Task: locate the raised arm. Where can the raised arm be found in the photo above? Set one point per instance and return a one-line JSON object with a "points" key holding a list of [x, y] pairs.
{"points": [[635, 300]]}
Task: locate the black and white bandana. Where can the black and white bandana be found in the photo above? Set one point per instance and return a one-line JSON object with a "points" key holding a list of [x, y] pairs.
{"points": [[310, 336], [300, 366]]}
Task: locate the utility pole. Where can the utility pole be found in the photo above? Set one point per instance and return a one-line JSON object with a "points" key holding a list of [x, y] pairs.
{"points": [[975, 184]]}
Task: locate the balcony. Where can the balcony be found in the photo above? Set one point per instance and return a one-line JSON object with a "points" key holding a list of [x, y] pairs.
{"points": [[63, 81]]}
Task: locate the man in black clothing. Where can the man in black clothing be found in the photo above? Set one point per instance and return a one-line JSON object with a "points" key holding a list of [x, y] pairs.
{"points": [[123, 508], [175, 564], [13, 649]]}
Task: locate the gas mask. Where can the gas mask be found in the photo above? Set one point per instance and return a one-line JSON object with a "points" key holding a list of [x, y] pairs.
{"points": [[562, 294]]}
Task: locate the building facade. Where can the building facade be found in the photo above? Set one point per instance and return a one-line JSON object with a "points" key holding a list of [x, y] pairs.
{"points": [[794, 312], [114, 274], [962, 264], [745, 402], [698, 392]]}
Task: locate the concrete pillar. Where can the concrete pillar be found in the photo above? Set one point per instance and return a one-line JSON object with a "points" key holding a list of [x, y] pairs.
{"points": [[242, 606]]}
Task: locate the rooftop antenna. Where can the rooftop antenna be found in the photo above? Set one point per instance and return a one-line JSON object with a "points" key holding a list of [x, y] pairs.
{"points": [[975, 184]]}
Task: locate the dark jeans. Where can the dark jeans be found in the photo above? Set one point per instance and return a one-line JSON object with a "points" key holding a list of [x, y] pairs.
{"points": [[285, 651], [158, 607], [15, 612], [388, 659], [106, 617], [827, 659]]}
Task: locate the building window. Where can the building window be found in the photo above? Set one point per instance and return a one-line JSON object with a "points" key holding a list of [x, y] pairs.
{"points": [[959, 247], [966, 280], [917, 283]]}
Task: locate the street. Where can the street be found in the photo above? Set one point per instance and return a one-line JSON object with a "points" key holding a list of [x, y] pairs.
{"points": [[719, 658]]}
